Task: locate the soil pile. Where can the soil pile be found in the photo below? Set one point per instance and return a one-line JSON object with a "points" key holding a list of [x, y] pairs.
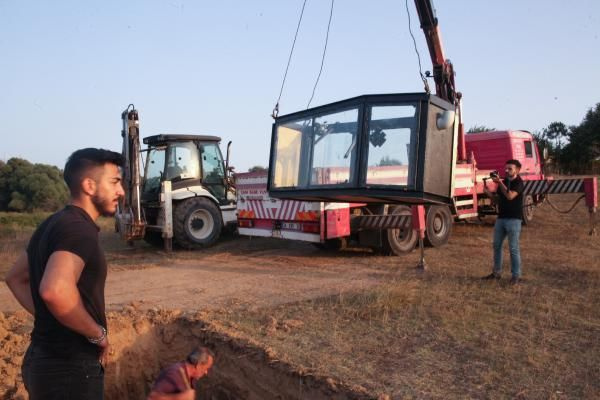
{"points": [[145, 342]]}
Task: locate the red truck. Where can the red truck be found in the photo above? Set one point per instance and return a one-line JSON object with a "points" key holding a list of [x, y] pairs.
{"points": [[333, 224]]}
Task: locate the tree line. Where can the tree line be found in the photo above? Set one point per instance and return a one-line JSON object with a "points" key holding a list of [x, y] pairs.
{"points": [[571, 149], [28, 187]]}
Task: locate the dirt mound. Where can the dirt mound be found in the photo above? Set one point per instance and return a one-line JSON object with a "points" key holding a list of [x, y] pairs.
{"points": [[145, 342], [14, 339]]}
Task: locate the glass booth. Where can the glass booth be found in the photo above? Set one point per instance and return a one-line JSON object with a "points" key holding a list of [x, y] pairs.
{"points": [[375, 148]]}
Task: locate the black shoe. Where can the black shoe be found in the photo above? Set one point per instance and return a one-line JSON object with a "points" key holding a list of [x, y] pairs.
{"points": [[515, 280], [492, 276]]}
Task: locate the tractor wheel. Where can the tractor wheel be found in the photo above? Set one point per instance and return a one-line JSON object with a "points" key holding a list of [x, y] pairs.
{"points": [[527, 209], [438, 226], [197, 223], [398, 241]]}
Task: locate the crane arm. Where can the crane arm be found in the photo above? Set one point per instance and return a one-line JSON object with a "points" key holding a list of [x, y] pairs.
{"points": [[443, 70]]}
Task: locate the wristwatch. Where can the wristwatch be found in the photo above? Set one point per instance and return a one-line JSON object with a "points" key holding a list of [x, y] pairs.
{"points": [[100, 338]]}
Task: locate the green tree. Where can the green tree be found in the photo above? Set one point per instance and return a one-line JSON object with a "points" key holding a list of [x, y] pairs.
{"points": [[556, 132], [258, 168], [583, 149], [387, 160], [480, 128], [27, 187]]}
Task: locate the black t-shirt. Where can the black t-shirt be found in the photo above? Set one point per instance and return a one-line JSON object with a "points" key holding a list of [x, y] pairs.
{"points": [[72, 230], [511, 208]]}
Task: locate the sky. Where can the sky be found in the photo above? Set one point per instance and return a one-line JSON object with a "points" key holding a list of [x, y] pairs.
{"points": [[69, 68]]}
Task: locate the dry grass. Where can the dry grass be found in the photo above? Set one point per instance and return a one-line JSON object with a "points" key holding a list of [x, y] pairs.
{"points": [[446, 333], [15, 230]]}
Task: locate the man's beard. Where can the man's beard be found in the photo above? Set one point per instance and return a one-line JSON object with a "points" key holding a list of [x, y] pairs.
{"points": [[104, 206]]}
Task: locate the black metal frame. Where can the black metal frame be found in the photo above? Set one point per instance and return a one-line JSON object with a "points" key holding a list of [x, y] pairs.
{"points": [[358, 188]]}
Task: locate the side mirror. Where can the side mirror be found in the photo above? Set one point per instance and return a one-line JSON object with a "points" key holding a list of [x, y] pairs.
{"points": [[445, 119], [545, 154]]}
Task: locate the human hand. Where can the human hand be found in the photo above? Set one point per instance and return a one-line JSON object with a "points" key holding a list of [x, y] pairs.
{"points": [[105, 350], [496, 179]]}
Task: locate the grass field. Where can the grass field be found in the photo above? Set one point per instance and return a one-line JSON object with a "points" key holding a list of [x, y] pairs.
{"points": [[446, 333], [443, 333]]}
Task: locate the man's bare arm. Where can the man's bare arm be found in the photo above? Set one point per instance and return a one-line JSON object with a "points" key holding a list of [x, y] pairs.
{"points": [[509, 194], [58, 289], [17, 280]]}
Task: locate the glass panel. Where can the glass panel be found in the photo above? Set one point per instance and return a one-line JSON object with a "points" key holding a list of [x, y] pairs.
{"points": [[182, 161], [287, 152], [155, 166], [212, 164], [528, 149], [390, 158], [334, 148]]}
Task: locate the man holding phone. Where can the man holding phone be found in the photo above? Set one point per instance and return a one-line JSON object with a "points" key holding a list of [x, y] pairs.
{"points": [[508, 224]]}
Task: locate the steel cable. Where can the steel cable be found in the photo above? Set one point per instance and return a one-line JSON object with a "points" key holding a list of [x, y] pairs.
{"points": [[323, 57], [276, 109]]}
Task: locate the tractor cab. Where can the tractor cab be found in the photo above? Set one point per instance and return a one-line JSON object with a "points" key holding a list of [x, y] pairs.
{"points": [[185, 160]]}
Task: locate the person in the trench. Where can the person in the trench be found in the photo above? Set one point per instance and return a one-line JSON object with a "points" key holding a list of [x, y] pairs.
{"points": [[178, 380]]}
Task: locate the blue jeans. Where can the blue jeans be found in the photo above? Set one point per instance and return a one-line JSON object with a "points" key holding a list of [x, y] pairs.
{"points": [[68, 377], [510, 227]]}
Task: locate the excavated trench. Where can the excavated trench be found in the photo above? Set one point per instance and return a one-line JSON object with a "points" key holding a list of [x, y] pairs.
{"points": [[146, 344]]}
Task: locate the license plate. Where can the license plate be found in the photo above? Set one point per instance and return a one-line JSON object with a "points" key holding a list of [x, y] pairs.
{"points": [[290, 226]]}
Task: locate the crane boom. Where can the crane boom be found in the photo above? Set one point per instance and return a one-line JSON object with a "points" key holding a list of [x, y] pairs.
{"points": [[443, 70]]}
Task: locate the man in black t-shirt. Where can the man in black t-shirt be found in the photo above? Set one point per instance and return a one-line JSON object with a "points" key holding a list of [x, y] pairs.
{"points": [[508, 223], [60, 281]]}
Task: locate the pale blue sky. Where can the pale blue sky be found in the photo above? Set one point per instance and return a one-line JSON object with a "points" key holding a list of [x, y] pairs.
{"points": [[68, 68]]}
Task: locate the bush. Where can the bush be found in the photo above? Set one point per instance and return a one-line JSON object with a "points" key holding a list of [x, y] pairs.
{"points": [[26, 187]]}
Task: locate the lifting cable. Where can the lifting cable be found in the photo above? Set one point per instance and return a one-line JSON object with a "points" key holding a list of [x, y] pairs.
{"points": [[323, 57], [276, 109], [417, 51]]}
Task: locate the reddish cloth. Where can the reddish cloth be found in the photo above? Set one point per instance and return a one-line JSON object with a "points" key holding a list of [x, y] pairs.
{"points": [[172, 379]]}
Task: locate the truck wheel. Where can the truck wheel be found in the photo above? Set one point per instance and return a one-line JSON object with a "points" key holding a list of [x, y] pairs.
{"points": [[527, 209], [197, 223], [398, 241], [438, 226]]}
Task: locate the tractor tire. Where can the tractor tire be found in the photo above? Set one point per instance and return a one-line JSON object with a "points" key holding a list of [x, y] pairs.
{"points": [[527, 209], [398, 241], [438, 226], [197, 223]]}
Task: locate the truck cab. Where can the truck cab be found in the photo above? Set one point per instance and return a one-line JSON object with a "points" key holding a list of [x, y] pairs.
{"points": [[492, 149]]}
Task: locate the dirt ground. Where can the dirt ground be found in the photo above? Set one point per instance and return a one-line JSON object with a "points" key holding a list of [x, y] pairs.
{"points": [[288, 320]]}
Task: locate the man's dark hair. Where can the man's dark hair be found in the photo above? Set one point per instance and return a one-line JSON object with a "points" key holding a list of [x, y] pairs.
{"points": [[199, 356], [81, 161], [516, 163]]}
